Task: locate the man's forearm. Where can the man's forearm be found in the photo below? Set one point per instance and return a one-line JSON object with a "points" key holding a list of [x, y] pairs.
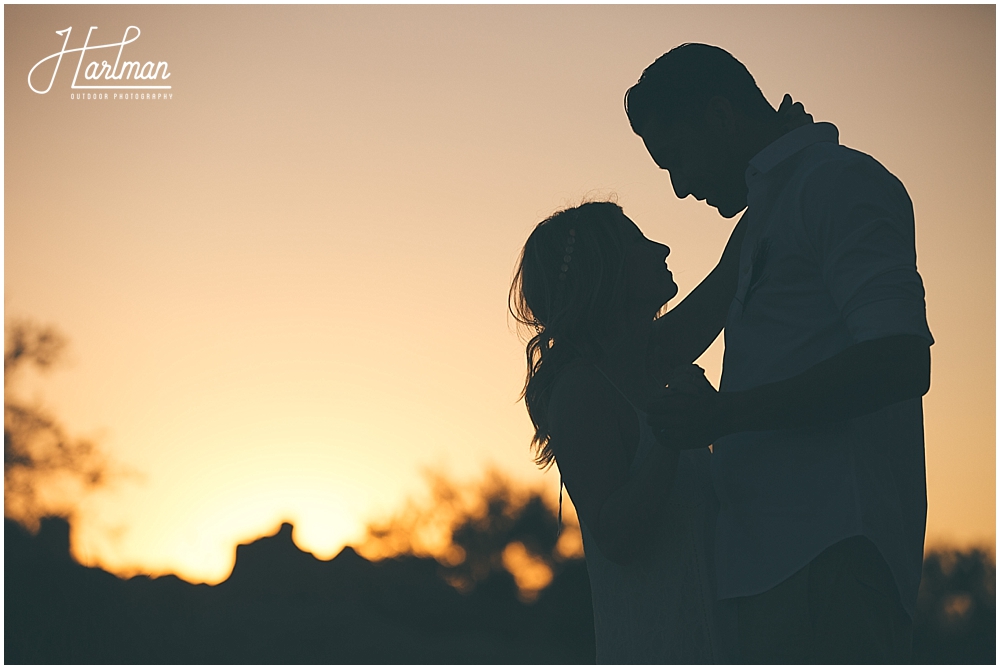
{"points": [[860, 380]]}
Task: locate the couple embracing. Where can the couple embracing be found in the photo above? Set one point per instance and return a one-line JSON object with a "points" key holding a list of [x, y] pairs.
{"points": [[781, 518]]}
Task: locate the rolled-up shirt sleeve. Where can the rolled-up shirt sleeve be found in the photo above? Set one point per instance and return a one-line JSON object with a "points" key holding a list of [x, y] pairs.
{"points": [[863, 232]]}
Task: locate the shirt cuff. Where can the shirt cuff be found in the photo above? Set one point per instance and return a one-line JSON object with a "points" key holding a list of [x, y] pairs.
{"points": [[888, 318]]}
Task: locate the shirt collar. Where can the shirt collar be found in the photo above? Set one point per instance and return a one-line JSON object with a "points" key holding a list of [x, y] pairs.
{"points": [[788, 145]]}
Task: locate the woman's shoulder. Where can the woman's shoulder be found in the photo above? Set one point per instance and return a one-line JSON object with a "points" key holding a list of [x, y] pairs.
{"points": [[578, 391], [579, 376]]}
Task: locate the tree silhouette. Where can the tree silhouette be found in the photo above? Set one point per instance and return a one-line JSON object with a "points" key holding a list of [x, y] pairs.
{"points": [[39, 457], [956, 610], [478, 532]]}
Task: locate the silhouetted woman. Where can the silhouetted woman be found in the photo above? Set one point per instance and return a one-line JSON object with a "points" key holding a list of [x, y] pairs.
{"points": [[590, 284]]}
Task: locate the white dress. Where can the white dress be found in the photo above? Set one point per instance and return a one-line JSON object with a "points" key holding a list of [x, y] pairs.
{"points": [[661, 608]]}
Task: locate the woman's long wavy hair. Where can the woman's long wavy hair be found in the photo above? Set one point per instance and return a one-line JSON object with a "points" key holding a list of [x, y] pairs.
{"points": [[568, 289]]}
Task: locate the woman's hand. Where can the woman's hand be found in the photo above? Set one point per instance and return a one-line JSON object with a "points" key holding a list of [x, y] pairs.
{"points": [[691, 413], [792, 114], [689, 379]]}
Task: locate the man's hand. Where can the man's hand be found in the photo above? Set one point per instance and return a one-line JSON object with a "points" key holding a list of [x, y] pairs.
{"points": [[859, 380], [690, 413]]}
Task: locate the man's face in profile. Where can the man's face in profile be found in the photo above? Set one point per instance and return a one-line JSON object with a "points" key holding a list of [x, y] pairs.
{"points": [[701, 161]]}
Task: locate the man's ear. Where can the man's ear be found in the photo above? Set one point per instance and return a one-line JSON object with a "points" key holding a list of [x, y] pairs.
{"points": [[720, 116]]}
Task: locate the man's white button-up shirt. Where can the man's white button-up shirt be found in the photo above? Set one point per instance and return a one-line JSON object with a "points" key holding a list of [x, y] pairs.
{"points": [[828, 261]]}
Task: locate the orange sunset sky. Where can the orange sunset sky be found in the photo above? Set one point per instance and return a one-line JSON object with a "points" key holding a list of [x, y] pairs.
{"points": [[285, 287]]}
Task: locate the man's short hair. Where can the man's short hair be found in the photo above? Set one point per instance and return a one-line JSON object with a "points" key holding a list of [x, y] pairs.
{"points": [[679, 84]]}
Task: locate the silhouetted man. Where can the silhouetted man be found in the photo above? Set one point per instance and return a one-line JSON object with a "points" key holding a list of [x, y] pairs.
{"points": [[818, 429]]}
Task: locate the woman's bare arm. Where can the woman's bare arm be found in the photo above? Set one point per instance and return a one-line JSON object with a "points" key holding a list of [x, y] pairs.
{"points": [[682, 334], [618, 508]]}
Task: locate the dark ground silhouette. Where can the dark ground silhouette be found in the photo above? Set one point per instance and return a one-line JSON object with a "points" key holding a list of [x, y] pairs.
{"points": [[281, 605]]}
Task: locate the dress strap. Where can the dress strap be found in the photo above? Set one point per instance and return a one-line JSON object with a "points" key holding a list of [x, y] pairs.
{"points": [[559, 518], [638, 410], [646, 438]]}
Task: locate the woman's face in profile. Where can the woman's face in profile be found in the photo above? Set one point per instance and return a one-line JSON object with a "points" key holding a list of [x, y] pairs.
{"points": [[648, 280]]}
